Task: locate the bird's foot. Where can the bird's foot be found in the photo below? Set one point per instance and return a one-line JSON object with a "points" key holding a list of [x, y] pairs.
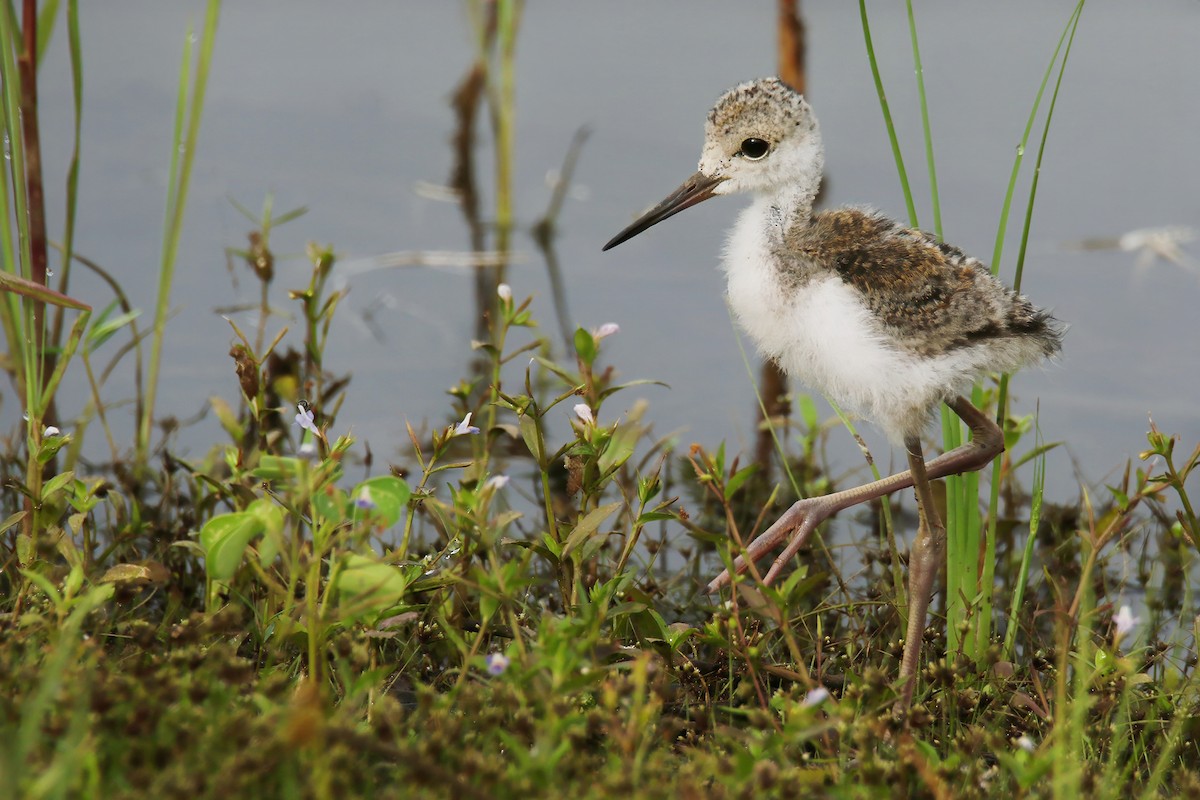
{"points": [[799, 522]]}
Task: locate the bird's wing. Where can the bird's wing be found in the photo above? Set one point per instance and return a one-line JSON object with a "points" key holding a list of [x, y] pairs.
{"points": [[929, 296]]}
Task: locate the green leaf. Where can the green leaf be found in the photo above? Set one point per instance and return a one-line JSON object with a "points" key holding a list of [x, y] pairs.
{"points": [[619, 449], [585, 346], [738, 478], [272, 519], [655, 516], [588, 526], [12, 520], [529, 432], [389, 495], [55, 484], [224, 539], [276, 468], [50, 447], [229, 421], [39, 292], [364, 585], [105, 329], [332, 505]]}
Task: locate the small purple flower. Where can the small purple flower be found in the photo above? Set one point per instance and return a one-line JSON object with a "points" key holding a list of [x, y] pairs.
{"points": [[584, 412], [363, 500], [464, 427], [607, 329], [496, 482], [1125, 622], [304, 417], [497, 663]]}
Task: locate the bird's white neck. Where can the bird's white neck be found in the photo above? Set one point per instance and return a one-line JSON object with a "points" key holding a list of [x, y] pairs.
{"points": [[790, 199]]}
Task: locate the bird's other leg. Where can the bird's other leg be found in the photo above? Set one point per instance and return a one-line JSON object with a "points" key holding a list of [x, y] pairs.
{"points": [[799, 521], [923, 562]]}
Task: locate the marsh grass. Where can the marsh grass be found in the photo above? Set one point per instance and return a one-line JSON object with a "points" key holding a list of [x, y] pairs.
{"points": [[513, 609]]}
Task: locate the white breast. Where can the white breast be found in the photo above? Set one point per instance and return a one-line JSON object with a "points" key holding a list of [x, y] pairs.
{"points": [[823, 335]]}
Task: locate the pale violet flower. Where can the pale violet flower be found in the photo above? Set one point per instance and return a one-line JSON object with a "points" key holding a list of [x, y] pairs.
{"points": [[497, 663], [1158, 243], [364, 500], [304, 417], [816, 696], [1026, 743], [464, 427], [607, 329], [584, 412], [50, 431], [505, 292], [496, 482], [1125, 622]]}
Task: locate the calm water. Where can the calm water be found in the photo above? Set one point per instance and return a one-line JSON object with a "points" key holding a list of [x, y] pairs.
{"points": [[347, 113]]}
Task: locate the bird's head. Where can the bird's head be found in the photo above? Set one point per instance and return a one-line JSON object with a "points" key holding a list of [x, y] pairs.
{"points": [[759, 137]]}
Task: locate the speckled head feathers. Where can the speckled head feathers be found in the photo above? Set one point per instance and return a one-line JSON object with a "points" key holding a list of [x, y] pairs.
{"points": [[761, 135], [768, 103]]}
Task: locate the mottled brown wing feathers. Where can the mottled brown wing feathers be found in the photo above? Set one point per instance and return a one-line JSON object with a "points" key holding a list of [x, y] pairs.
{"points": [[929, 296]]}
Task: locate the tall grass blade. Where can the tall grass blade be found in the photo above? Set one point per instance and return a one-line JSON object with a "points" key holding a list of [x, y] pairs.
{"points": [[1067, 36], [887, 115], [183, 156]]}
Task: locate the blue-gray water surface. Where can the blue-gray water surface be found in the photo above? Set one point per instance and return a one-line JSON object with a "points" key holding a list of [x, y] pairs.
{"points": [[344, 109]]}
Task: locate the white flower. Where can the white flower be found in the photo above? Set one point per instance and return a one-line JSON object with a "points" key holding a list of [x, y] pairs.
{"points": [[1125, 622], [505, 292], [304, 417], [496, 482], [607, 329], [464, 427], [584, 412], [816, 696], [50, 431], [1026, 743]]}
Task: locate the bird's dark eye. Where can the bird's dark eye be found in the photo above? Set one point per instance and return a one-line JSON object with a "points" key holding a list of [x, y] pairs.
{"points": [[754, 149]]}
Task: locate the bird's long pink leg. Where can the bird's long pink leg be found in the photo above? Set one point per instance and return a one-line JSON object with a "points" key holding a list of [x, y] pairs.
{"points": [[804, 516], [923, 561]]}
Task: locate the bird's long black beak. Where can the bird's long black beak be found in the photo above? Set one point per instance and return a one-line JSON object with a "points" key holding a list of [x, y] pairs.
{"points": [[695, 189]]}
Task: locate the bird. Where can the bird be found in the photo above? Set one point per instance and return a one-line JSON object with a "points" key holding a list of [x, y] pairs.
{"points": [[886, 320]]}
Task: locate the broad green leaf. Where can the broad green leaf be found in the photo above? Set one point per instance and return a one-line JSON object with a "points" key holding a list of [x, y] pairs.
{"points": [[364, 585], [224, 540], [148, 572], [332, 505], [276, 468], [389, 496], [273, 520]]}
